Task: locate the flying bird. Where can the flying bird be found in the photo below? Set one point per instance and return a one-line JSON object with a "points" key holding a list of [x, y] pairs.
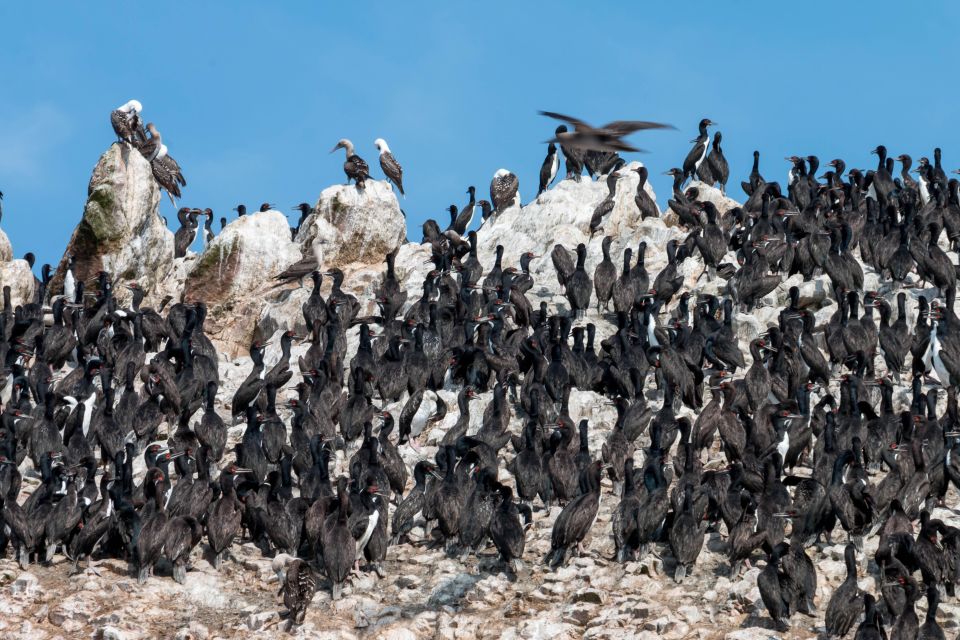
{"points": [[605, 138]]}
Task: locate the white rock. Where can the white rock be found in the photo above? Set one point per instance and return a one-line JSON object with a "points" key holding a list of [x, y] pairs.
{"points": [[353, 225], [6, 249], [234, 276], [25, 584], [121, 230], [17, 275], [396, 633], [706, 193], [249, 251], [255, 621]]}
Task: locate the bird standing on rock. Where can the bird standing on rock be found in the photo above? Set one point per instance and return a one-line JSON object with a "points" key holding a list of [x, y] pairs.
{"points": [[125, 121], [391, 168], [698, 153], [548, 171], [503, 190], [354, 166]]}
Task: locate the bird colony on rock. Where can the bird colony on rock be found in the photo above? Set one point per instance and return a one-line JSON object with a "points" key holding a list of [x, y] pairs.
{"points": [[829, 423]]}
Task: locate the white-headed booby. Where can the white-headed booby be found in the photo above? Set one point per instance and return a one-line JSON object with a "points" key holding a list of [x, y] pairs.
{"points": [[503, 189], [125, 120], [391, 168]]}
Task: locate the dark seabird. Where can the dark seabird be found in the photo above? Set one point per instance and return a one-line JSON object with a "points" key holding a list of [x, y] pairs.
{"points": [[391, 168], [719, 168], [699, 151], [151, 146], [305, 212], [125, 120], [686, 536], [300, 269], [486, 210], [605, 276], [578, 288], [572, 156], [166, 170], [577, 518], [847, 599], [606, 205], [168, 174], [503, 189], [549, 168], [187, 232], [646, 204], [464, 218], [599, 163], [208, 234], [605, 138], [241, 210], [354, 166]]}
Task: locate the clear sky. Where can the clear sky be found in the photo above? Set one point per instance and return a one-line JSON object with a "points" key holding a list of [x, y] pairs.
{"points": [[251, 96]]}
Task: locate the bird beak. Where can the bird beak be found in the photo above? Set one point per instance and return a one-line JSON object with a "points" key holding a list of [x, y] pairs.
{"points": [[335, 148]]}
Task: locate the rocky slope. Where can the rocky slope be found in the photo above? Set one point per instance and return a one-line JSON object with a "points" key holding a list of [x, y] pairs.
{"points": [[424, 593]]}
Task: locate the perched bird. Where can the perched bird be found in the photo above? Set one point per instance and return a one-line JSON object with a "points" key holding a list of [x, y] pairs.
{"points": [[698, 153], [549, 168], [354, 166], [125, 121], [391, 168], [503, 190]]}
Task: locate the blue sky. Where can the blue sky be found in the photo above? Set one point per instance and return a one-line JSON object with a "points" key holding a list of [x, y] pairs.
{"points": [[251, 96]]}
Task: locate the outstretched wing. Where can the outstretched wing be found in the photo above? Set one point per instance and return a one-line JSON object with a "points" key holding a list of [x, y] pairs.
{"points": [[568, 119], [624, 127]]}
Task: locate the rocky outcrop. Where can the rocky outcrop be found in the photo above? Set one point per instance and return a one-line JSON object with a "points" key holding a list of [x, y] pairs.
{"points": [[706, 193], [234, 276], [17, 275], [561, 215], [121, 230], [355, 225], [6, 250]]}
